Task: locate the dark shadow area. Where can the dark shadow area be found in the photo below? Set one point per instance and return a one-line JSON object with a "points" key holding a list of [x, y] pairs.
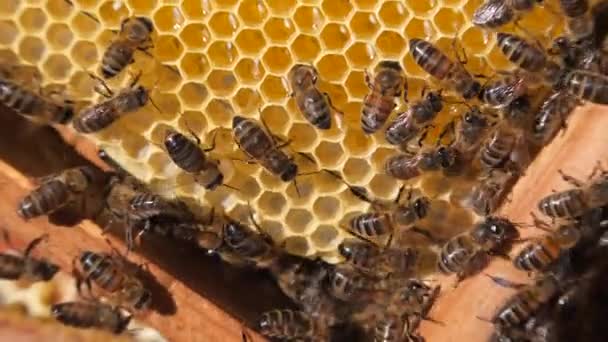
{"points": [[37, 151]]}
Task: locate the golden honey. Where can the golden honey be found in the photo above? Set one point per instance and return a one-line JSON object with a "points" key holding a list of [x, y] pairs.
{"points": [[213, 59]]}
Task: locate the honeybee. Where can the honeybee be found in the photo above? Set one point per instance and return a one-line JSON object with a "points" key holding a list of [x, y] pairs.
{"points": [[370, 259], [33, 105], [389, 81], [260, 145], [517, 310], [109, 273], [487, 194], [502, 92], [247, 244], [27, 268], [349, 285], [92, 315], [147, 212], [409, 123], [569, 204], [495, 13], [506, 146], [437, 64], [387, 220], [287, 324], [314, 105], [469, 133], [406, 166], [539, 255], [588, 86], [97, 117], [188, 156], [467, 253], [57, 191], [135, 34], [551, 116]]}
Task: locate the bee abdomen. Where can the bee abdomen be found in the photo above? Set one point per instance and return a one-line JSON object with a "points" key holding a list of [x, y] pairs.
{"points": [[184, 153], [375, 112], [389, 329], [588, 86], [95, 118], [537, 256], [401, 167], [47, 198], [286, 324], [90, 315], [314, 107], [371, 224], [521, 52], [12, 267], [454, 255], [498, 149], [430, 58], [565, 204], [115, 59], [401, 130]]}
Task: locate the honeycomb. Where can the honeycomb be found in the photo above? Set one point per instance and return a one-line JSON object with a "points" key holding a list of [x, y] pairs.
{"points": [[214, 59]]}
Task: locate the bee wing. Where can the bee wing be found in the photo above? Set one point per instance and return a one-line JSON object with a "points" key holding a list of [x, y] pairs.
{"points": [[490, 11]]}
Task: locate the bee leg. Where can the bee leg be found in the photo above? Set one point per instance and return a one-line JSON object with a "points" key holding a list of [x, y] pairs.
{"points": [[450, 127], [462, 59], [424, 135], [368, 79], [30, 247], [598, 168], [212, 147], [331, 105], [400, 192], [135, 79], [108, 92], [540, 224], [569, 179]]}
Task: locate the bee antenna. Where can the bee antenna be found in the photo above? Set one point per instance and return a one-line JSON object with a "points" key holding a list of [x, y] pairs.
{"points": [[154, 105], [232, 188], [295, 184]]}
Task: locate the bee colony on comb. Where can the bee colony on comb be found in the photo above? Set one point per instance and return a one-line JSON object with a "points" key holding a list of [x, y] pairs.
{"points": [[352, 149]]}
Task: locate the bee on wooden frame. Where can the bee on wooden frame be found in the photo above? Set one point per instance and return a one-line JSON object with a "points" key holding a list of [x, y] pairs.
{"points": [[110, 273], [571, 203], [25, 268], [468, 253], [92, 315], [59, 190]]}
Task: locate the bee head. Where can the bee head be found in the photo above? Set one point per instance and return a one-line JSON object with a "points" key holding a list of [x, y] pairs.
{"points": [[421, 206], [436, 100], [141, 94], [472, 90], [495, 233], [302, 75], [45, 271], [446, 157], [289, 172]]}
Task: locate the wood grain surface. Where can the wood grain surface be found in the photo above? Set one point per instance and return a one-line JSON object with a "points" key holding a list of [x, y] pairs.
{"points": [[576, 153], [197, 318]]}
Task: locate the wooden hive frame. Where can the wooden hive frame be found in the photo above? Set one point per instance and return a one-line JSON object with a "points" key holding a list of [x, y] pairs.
{"points": [[197, 316]]}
